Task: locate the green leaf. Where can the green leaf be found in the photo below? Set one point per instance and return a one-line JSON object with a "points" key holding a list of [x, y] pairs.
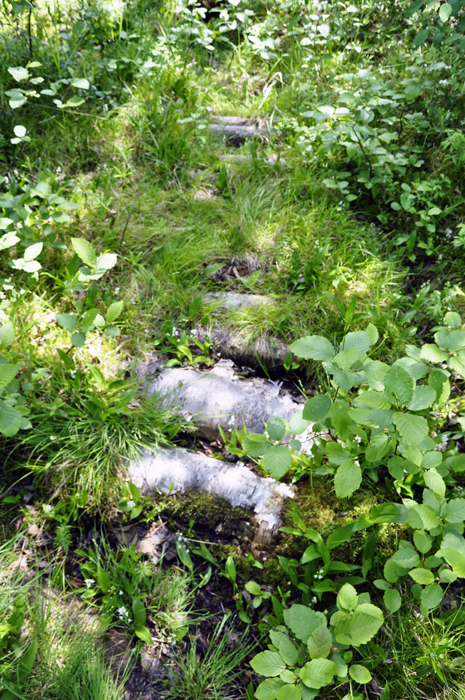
{"points": [[105, 262], [453, 341], [423, 397], [431, 353], [373, 333], [398, 383], [317, 408], [114, 311], [254, 444], [413, 429], [268, 690], [26, 662], [78, 339], [421, 37], [392, 600], [75, 101], [360, 674], [406, 557], [302, 621], [458, 463], [268, 664], [431, 596], [81, 83], [7, 335], [388, 513], [347, 598], [347, 479], [143, 634], [454, 511], [447, 576], [377, 447], [184, 555], [67, 321], [423, 576], [103, 580], [277, 461], [318, 673], [357, 340], [360, 627], [414, 7], [84, 250], [453, 320], [455, 559], [346, 358], [435, 482], [373, 399], [423, 542], [319, 643], [89, 318], [33, 251], [113, 331], [276, 428], [313, 347], [335, 453], [445, 12], [11, 421], [289, 692], [422, 517], [19, 73], [298, 424], [138, 610], [286, 647], [7, 374]]}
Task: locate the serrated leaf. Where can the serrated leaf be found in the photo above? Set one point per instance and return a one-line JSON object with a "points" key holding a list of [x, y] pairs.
{"points": [[114, 311], [346, 358], [423, 542], [398, 385], [423, 576], [435, 482], [357, 340], [7, 374], [298, 424], [406, 558], [453, 320], [89, 318], [413, 429], [67, 321], [423, 397], [422, 517], [377, 447], [347, 598], [431, 353], [455, 559], [7, 335], [454, 511], [313, 347], [277, 461], [10, 420], [360, 674], [302, 621], [392, 600], [78, 339], [360, 627], [276, 428], [319, 643], [335, 453], [254, 444], [318, 673], [347, 479], [373, 399], [84, 250], [289, 692], [113, 331], [268, 664], [317, 408], [105, 262], [453, 341], [373, 333], [431, 596], [268, 689]]}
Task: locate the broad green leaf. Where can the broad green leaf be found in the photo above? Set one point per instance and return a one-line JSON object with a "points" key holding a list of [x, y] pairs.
{"points": [[347, 479], [289, 692], [75, 101], [388, 513], [423, 397], [392, 571], [431, 353], [113, 331], [435, 482], [414, 7], [373, 333], [406, 557], [318, 673], [447, 576], [33, 251], [458, 463], [255, 444], [454, 558], [105, 262], [84, 250], [392, 600], [431, 596], [398, 385], [377, 447], [335, 453], [19, 73], [373, 399], [422, 517], [453, 320], [347, 598], [413, 429], [114, 311], [7, 374], [277, 461], [421, 37], [357, 340], [287, 649], [5, 222], [453, 341], [454, 511], [10, 420], [381, 418], [143, 634], [81, 83], [423, 576], [346, 358], [298, 424], [7, 335], [423, 542], [313, 347], [26, 661], [139, 613], [78, 339], [89, 318], [319, 643], [360, 674], [417, 370], [103, 580], [344, 379], [268, 689], [359, 627], [276, 429], [268, 664], [302, 621], [445, 11], [431, 460]]}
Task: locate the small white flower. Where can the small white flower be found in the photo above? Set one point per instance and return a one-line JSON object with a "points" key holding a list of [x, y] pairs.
{"points": [[89, 582], [73, 373], [314, 599], [357, 439], [48, 508], [121, 593], [53, 437], [443, 82], [218, 354], [356, 462], [131, 504]]}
